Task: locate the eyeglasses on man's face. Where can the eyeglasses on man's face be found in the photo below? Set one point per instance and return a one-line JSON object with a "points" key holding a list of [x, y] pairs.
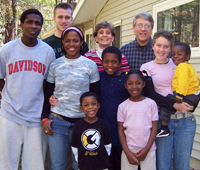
{"points": [[146, 26]]}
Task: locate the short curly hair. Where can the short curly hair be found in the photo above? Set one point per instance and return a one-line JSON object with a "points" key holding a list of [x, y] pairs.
{"points": [[114, 50], [88, 94], [104, 24], [185, 46], [31, 11], [163, 33]]}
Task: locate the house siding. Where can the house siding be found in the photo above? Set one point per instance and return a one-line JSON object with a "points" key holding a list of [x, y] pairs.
{"points": [[195, 160]]}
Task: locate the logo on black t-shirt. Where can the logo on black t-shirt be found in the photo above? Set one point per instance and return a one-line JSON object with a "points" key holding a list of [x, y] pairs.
{"points": [[91, 139]]}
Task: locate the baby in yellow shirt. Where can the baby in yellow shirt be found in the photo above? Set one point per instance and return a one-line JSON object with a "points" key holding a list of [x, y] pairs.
{"points": [[186, 80]]}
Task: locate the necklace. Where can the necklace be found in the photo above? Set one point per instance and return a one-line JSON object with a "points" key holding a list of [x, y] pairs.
{"points": [[161, 62], [71, 62]]}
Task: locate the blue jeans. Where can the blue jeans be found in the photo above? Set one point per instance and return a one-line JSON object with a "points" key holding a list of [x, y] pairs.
{"points": [[177, 145], [58, 144]]}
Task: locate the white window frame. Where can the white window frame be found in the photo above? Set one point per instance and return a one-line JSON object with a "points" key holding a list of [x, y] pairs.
{"points": [[168, 4], [117, 23]]}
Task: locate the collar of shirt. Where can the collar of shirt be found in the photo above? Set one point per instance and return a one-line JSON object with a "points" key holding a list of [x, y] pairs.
{"points": [[145, 47], [187, 62], [99, 52]]}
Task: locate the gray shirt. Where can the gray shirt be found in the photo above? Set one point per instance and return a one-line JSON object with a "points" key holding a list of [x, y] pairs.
{"points": [[72, 77], [24, 69]]}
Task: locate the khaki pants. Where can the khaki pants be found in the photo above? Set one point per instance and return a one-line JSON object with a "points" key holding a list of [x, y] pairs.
{"points": [[148, 164]]}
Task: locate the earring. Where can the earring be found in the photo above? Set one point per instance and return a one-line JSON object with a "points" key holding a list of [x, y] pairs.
{"points": [[62, 47]]}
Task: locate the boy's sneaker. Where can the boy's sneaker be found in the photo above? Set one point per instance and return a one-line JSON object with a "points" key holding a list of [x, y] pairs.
{"points": [[163, 133]]}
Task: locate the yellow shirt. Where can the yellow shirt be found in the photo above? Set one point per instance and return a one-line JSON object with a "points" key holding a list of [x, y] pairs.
{"points": [[186, 80]]}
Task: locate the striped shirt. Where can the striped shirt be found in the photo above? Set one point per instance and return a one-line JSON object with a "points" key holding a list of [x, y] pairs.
{"points": [[94, 57], [137, 55]]}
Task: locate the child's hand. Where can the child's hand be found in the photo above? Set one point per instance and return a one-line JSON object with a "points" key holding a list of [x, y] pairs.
{"points": [[53, 101], [132, 158], [189, 107], [141, 155], [92, 50], [47, 127], [183, 107]]}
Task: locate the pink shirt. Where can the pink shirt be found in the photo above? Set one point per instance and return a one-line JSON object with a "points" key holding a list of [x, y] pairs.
{"points": [[137, 120], [162, 75]]}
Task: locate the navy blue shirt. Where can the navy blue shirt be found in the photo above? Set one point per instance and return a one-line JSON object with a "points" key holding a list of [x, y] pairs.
{"points": [[112, 93], [138, 55]]}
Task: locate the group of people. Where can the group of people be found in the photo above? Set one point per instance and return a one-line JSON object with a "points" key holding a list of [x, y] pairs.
{"points": [[105, 104]]}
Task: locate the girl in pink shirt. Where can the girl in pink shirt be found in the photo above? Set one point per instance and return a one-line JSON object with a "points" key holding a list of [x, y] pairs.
{"points": [[137, 126]]}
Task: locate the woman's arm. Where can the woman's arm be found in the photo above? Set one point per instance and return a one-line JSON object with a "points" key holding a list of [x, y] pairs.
{"points": [[160, 100], [165, 102], [141, 155], [48, 91], [95, 88], [130, 155]]}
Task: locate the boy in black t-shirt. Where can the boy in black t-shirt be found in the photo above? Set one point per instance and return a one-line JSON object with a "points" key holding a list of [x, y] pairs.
{"points": [[91, 141]]}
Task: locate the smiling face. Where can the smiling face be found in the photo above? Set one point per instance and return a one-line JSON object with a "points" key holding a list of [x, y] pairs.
{"points": [[104, 38], [162, 48], [63, 19], [31, 27], [90, 107], [179, 55], [134, 85], [111, 64], [143, 31], [72, 44]]}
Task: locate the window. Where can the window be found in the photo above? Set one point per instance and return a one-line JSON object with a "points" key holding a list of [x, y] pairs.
{"points": [[179, 17], [89, 38], [117, 37], [117, 40]]}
